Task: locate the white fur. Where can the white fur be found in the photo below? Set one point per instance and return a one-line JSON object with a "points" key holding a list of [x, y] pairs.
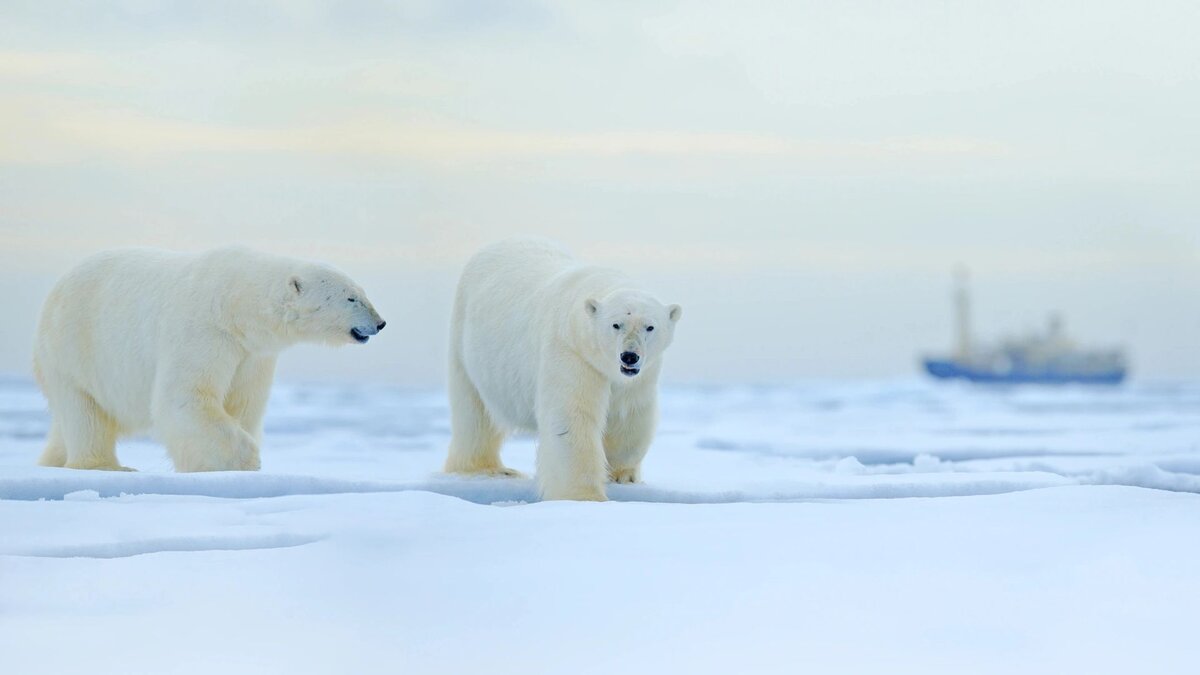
{"points": [[185, 345], [532, 346]]}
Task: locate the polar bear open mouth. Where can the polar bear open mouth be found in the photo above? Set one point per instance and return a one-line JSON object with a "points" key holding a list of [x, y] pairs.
{"points": [[359, 337], [630, 372]]}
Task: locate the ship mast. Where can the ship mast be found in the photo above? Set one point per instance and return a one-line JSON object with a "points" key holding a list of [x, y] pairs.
{"points": [[962, 315]]}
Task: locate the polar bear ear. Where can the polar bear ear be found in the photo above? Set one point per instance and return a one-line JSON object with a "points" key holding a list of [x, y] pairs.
{"points": [[674, 312], [294, 282], [591, 306]]}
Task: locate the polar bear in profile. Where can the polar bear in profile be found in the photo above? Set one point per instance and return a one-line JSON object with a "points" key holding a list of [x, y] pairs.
{"points": [[542, 343], [184, 345]]}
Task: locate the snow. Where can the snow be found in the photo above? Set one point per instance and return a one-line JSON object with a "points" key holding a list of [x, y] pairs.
{"points": [[833, 527]]}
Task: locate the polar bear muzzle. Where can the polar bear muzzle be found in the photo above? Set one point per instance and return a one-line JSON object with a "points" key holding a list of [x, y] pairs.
{"points": [[629, 364], [363, 333]]}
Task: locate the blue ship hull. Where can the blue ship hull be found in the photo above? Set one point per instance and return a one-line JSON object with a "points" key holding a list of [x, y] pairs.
{"points": [[945, 369]]}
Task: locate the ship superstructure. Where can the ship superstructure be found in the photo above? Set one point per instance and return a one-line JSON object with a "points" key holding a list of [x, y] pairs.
{"points": [[1048, 357]]}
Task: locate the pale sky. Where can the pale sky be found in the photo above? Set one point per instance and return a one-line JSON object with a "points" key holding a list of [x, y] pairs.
{"points": [[801, 176]]}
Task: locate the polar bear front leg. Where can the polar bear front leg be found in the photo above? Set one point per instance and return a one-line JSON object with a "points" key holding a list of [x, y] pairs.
{"points": [[627, 438], [572, 404], [190, 417], [201, 436], [246, 401]]}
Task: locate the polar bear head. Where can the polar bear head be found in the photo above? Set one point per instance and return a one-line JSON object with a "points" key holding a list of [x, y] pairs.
{"points": [[629, 331], [323, 305]]}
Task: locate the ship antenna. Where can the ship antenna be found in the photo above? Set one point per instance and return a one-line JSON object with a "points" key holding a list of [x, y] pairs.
{"points": [[962, 314]]}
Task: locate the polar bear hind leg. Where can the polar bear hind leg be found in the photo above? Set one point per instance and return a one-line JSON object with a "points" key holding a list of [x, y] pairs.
{"points": [[55, 453], [81, 434], [474, 439]]}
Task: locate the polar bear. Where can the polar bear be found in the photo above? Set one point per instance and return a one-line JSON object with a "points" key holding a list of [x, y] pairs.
{"points": [[542, 343], [184, 345]]}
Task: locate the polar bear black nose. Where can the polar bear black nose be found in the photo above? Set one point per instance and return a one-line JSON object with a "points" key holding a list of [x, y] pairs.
{"points": [[381, 325], [629, 358]]}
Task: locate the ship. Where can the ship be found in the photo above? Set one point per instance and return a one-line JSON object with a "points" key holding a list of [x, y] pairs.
{"points": [[1047, 357]]}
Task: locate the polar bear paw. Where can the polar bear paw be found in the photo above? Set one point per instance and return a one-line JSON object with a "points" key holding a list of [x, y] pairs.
{"points": [[576, 494], [253, 463], [98, 467], [503, 472], [627, 475], [498, 471], [490, 468]]}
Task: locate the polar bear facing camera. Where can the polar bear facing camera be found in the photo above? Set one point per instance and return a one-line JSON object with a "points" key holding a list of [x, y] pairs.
{"points": [[184, 345], [542, 343]]}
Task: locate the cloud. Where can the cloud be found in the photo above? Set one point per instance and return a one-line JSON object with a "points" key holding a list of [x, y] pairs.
{"points": [[48, 130], [60, 69]]}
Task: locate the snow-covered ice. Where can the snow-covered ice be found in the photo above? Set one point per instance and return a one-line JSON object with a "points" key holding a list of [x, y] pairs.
{"points": [[831, 527]]}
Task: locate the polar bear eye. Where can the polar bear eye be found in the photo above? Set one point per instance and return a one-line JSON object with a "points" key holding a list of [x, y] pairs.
{"points": [[649, 328], [351, 300], [616, 326]]}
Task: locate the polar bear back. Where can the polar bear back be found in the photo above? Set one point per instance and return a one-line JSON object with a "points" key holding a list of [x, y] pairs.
{"points": [[113, 321]]}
